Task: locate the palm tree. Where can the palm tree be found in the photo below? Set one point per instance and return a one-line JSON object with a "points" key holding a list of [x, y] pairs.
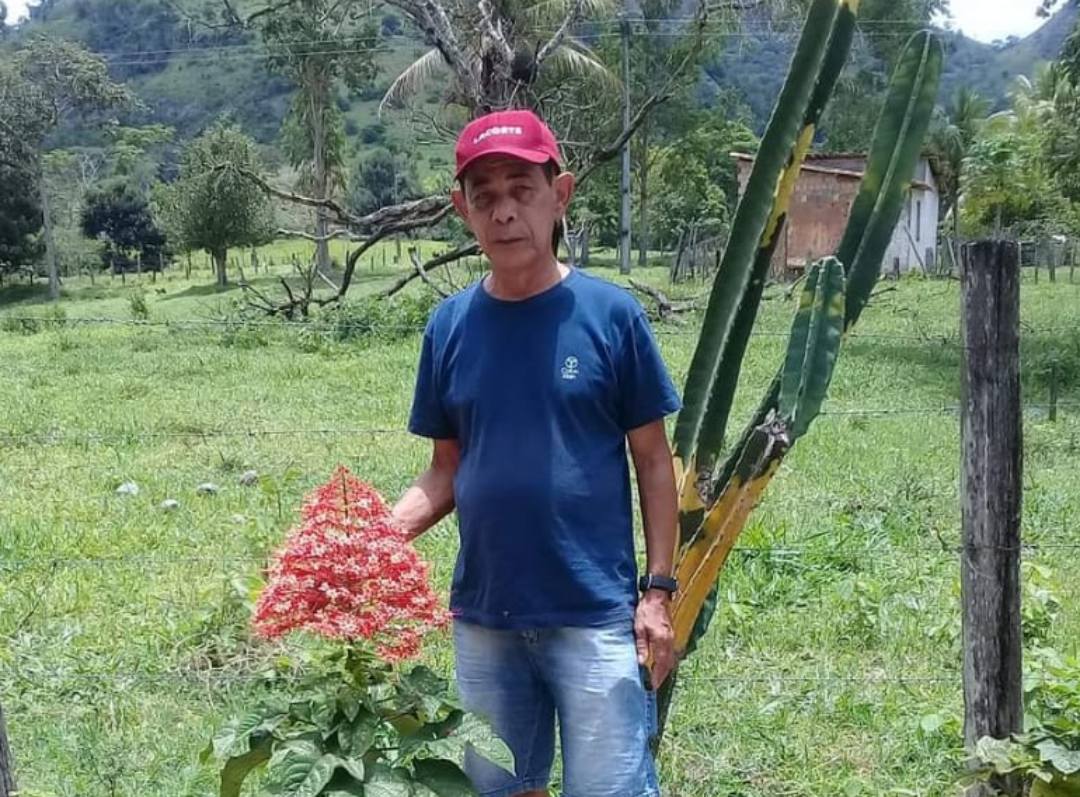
{"points": [[494, 55], [951, 138]]}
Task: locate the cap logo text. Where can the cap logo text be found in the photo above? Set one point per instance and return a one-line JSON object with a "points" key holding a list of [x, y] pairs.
{"points": [[502, 130]]}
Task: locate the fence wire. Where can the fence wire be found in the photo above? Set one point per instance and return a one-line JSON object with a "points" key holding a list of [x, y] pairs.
{"points": [[219, 679]]}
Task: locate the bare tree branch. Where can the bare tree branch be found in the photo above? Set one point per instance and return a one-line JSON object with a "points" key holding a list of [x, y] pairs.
{"points": [[494, 32], [572, 16], [414, 256], [465, 250], [316, 238], [391, 214]]}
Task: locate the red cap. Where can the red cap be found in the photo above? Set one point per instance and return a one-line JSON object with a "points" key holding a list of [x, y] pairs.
{"points": [[519, 134]]}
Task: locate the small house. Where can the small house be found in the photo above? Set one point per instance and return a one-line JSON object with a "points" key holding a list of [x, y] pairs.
{"points": [[820, 206]]}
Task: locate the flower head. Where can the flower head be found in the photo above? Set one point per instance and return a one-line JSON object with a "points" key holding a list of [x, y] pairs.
{"points": [[348, 572]]}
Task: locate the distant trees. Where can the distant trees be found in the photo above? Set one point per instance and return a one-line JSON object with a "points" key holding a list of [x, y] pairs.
{"points": [[119, 216], [212, 206], [320, 45], [42, 84], [20, 219], [382, 178]]}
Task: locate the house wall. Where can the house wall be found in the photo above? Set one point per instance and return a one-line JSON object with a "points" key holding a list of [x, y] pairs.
{"points": [[819, 212]]}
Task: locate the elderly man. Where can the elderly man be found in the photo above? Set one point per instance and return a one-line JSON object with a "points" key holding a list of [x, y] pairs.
{"points": [[530, 384]]}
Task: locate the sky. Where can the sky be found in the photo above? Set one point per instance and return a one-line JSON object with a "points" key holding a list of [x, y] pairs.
{"points": [[985, 20]]}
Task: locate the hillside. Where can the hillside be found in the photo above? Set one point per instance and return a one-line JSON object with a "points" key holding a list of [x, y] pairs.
{"points": [[187, 75], [755, 62]]}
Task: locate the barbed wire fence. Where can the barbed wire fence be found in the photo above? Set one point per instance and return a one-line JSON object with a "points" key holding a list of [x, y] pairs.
{"points": [[24, 677]]}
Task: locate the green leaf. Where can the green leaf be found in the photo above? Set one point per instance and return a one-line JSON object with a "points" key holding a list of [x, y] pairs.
{"points": [[232, 740], [354, 766], [1064, 760], [301, 769], [357, 736], [348, 704], [445, 778], [998, 753], [323, 712], [477, 732], [1057, 787], [424, 680], [382, 781], [237, 768]]}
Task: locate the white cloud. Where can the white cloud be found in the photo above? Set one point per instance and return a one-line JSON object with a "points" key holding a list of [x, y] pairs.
{"points": [[987, 20], [16, 9]]}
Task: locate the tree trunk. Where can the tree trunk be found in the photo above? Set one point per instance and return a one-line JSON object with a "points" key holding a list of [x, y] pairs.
{"points": [[50, 245], [317, 100], [7, 763], [220, 262], [643, 196], [583, 255]]}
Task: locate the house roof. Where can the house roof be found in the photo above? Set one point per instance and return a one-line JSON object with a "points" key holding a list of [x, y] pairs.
{"points": [[844, 174]]}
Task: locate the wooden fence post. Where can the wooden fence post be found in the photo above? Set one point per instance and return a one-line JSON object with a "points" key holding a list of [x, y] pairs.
{"points": [[991, 444], [7, 763]]}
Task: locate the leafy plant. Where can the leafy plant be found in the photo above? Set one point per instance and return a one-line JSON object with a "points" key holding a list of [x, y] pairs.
{"points": [[354, 724], [356, 727], [1047, 753]]}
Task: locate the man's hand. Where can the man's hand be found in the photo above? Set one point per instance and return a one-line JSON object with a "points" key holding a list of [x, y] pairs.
{"points": [[654, 634]]}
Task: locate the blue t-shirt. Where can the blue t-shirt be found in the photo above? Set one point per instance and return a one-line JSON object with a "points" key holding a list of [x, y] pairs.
{"points": [[540, 394]]}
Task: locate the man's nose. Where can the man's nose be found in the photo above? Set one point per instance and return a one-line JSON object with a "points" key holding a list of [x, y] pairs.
{"points": [[505, 210]]}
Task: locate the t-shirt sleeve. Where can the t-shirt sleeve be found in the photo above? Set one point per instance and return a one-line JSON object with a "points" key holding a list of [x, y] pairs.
{"points": [[428, 417], [646, 392]]}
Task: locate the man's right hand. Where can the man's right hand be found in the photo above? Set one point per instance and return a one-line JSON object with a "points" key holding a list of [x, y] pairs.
{"points": [[431, 496]]}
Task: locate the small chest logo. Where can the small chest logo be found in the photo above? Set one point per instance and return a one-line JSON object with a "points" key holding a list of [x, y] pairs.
{"points": [[570, 368]]}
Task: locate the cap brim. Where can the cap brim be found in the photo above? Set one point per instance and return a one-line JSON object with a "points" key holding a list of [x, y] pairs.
{"points": [[529, 155]]}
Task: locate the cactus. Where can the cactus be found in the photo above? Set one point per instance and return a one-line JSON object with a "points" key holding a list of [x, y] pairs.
{"points": [[714, 510], [814, 345]]}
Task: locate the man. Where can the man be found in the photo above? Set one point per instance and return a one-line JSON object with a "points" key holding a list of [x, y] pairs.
{"points": [[530, 384]]}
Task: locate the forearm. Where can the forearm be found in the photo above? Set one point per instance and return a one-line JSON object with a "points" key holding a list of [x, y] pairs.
{"points": [[426, 502], [659, 512]]}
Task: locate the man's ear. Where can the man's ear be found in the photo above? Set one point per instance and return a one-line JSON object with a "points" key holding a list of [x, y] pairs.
{"points": [[457, 196], [564, 183]]}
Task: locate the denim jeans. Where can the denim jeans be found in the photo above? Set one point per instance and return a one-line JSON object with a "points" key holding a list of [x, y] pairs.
{"points": [[587, 678]]}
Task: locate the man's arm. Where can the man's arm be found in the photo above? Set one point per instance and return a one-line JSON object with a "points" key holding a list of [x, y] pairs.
{"points": [[431, 496], [660, 513]]}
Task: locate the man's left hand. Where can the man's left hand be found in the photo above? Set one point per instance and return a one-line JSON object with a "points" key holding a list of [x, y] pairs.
{"points": [[654, 634]]}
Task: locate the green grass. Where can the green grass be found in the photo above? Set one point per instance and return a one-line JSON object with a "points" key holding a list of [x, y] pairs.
{"points": [[832, 667]]}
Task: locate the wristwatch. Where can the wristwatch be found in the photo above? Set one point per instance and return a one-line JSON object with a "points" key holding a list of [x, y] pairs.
{"points": [[653, 581]]}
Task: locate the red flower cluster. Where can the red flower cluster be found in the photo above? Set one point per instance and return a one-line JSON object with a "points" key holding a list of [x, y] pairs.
{"points": [[348, 572]]}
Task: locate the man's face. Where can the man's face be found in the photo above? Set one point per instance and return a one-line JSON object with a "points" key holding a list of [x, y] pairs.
{"points": [[511, 206]]}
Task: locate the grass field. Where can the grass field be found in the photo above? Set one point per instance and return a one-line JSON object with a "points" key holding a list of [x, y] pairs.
{"points": [[832, 667]]}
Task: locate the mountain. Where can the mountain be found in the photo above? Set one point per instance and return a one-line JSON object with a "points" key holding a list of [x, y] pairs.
{"points": [[186, 74], [756, 61], [990, 69]]}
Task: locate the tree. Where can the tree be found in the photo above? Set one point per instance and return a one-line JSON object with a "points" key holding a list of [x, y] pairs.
{"points": [[697, 178], [1009, 179], [951, 138], [213, 205], [119, 216], [20, 219], [43, 84], [320, 45], [382, 178]]}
